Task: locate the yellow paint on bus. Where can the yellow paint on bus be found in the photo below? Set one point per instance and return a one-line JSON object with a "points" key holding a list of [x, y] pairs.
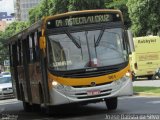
{"points": [[146, 57]]}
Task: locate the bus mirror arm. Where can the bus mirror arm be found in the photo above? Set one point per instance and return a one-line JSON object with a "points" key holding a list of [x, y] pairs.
{"points": [[42, 42]]}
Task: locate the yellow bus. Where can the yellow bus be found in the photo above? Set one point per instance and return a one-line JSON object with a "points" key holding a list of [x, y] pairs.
{"points": [[146, 57], [76, 57]]}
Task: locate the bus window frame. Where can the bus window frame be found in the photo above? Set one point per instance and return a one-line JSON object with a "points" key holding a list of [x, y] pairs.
{"points": [[108, 25]]}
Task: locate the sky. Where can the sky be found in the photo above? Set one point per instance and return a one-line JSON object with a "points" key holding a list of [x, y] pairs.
{"points": [[7, 6]]}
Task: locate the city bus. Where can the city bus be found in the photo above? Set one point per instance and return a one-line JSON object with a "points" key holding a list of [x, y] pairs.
{"points": [[77, 57]]}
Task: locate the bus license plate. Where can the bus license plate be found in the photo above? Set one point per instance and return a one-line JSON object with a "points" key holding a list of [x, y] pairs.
{"points": [[93, 92]]}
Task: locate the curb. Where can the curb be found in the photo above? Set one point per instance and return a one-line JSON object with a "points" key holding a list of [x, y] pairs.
{"points": [[146, 94]]}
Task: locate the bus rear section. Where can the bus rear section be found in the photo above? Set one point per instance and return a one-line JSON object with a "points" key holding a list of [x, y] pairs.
{"points": [[146, 58]]}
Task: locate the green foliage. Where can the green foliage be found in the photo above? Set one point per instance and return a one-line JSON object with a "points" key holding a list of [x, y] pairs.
{"points": [[12, 29], [145, 89], [37, 12], [121, 5], [144, 16], [3, 50], [61, 6], [86, 4]]}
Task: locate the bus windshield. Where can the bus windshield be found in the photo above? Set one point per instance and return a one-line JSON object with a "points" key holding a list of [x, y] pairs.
{"points": [[85, 49]]}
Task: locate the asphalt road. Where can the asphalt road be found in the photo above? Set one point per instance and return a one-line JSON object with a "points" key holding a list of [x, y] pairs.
{"points": [[135, 106]]}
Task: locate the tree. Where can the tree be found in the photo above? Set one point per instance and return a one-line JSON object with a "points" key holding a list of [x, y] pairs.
{"points": [[61, 6], [3, 48], [37, 12], [11, 30], [144, 16], [121, 5], [86, 4]]}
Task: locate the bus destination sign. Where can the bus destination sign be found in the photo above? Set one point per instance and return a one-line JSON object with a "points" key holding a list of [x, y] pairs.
{"points": [[82, 20]]}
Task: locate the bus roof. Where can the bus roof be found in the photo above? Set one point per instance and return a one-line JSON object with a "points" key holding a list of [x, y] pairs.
{"points": [[84, 12], [41, 23]]}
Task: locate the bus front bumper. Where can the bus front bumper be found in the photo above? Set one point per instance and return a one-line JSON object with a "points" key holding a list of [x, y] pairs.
{"points": [[67, 94]]}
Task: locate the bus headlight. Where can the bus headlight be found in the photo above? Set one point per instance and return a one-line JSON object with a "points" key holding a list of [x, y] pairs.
{"points": [[117, 82], [120, 81], [128, 74], [57, 85], [54, 83]]}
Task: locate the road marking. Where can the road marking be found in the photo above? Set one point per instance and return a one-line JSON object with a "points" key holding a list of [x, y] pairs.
{"points": [[134, 96], [154, 102], [9, 101]]}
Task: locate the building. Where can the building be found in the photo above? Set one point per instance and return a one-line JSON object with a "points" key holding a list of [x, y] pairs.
{"points": [[3, 25], [5, 20], [23, 7], [5, 17], [6, 9], [7, 6]]}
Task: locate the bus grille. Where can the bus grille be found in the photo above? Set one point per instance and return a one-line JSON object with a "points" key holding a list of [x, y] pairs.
{"points": [[91, 73], [87, 73], [84, 86], [84, 95]]}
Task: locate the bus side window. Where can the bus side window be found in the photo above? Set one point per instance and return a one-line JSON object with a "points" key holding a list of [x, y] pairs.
{"points": [[36, 48], [26, 42], [22, 58], [11, 54], [19, 49], [30, 49]]}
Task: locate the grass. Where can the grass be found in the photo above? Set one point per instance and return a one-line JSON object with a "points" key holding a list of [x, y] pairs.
{"points": [[154, 90]]}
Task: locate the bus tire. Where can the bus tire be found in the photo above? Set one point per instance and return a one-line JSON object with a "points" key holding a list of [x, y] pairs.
{"points": [[111, 103], [41, 94], [36, 107], [150, 77], [47, 110], [27, 107], [133, 77], [21, 93]]}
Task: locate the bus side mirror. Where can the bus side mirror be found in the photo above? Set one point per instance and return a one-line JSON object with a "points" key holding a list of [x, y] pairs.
{"points": [[130, 40], [42, 42]]}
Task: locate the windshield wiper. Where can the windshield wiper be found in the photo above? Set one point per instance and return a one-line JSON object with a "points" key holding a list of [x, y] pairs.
{"points": [[99, 37], [86, 33], [74, 39]]}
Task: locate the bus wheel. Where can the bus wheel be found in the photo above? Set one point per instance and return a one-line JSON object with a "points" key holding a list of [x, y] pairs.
{"points": [[36, 107], [133, 77], [149, 77], [27, 107], [111, 103], [47, 110], [41, 94]]}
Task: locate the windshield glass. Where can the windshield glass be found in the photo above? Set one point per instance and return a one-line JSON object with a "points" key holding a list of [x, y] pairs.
{"points": [[93, 48], [5, 80]]}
